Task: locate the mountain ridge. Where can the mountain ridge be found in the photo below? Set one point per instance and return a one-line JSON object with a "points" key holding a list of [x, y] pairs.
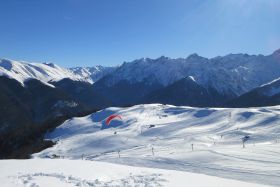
{"points": [[231, 73], [49, 72], [266, 95]]}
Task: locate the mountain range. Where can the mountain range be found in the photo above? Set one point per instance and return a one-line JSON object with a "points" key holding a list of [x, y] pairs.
{"points": [[176, 81], [35, 97]]}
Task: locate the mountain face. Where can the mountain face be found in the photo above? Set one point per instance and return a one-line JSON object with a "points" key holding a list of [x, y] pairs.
{"points": [[124, 93], [92, 74], [186, 92], [265, 95], [82, 92], [229, 76], [46, 72], [28, 111], [22, 71], [36, 97]]}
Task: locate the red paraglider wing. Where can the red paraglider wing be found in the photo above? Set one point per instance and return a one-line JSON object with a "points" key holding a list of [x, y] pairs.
{"points": [[110, 118]]}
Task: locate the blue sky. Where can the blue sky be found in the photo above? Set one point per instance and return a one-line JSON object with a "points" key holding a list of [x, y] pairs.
{"points": [[108, 32]]}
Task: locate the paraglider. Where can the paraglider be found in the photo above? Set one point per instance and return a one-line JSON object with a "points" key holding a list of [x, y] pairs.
{"points": [[110, 118]]}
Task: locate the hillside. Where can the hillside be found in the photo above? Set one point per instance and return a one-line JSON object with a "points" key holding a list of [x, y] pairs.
{"points": [[199, 140], [265, 95], [187, 92], [27, 112]]}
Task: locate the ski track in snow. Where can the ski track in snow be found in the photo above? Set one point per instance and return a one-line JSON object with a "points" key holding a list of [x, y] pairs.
{"points": [[66, 173], [33, 180]]}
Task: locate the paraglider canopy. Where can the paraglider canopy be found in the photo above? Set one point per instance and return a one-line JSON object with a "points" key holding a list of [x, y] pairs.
{"points": [[112, 117]]}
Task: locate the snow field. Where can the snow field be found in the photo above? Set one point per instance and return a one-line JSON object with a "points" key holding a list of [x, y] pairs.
{"points": [[66, 173], [162, 136]]}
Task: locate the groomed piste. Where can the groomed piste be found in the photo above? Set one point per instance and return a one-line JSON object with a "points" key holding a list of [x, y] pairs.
{"points": [[239, 144]]}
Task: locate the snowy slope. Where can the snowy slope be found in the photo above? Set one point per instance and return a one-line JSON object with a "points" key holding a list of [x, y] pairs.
{"points": [[22, 71], [265, 95], [64, 173], [92, 74], [45, 72], [271, 88], [234, 73], [161, 136]]}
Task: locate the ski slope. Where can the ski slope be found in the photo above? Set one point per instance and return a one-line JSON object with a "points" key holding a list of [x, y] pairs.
{"points": [[67, 173], [162, 136]]}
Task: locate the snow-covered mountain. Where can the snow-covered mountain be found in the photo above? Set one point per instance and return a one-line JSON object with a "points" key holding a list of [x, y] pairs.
{"points": [[49, 72], [213, 82], [45, 72], [272, 88], [266, 95], [231, 74], [92, 74], [27, 112], [199, 140], [186, 92]]}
